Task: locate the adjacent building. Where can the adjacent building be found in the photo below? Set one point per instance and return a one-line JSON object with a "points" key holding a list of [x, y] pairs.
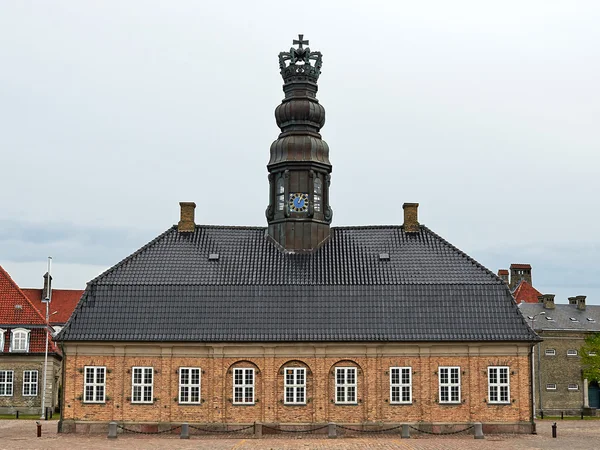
{"points": [[298, 322], [559, 384], [520, 283], [23, 333]]}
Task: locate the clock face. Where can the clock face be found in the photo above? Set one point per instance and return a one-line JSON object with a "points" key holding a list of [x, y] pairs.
{"points": [[298, 202]]}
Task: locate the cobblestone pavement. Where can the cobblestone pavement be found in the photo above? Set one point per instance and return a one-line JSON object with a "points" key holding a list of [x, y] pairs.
{"points": [[572, 435]]}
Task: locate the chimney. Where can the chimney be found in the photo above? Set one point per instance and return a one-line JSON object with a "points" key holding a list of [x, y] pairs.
{"points": [[186, 222], [519, 272], [411, 222], [547, 300], [580, 302], [47, 286], [503, 274]]}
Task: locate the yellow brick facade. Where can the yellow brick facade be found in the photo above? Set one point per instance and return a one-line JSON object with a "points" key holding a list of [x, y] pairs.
{"points": [[372, 363]]}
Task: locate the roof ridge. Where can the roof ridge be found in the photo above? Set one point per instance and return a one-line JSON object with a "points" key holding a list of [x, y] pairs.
{"points": [[470, 258], [131, 256], [22, 294]]}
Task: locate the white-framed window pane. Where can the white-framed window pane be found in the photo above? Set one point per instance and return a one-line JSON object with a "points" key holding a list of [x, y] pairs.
{"points": [[551, 387], [550, 352], [94, 384], [6, 383], [498, 384], [189, 385], [449, 384], [345, 389], [573, 387], [571, 352], [30, 383], [243, 386], [295, 385], [19, 340], [142, 385], [400, 385]]}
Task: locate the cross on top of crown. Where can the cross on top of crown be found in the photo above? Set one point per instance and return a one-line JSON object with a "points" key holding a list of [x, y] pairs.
{"points": [[300, 41]]}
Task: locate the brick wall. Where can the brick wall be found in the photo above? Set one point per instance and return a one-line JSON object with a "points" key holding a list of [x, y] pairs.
{"points": [[373, 384]]}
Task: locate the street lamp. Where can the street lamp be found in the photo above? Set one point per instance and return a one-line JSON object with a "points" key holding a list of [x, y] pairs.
{"points": [[532, 318], [47, 301]]}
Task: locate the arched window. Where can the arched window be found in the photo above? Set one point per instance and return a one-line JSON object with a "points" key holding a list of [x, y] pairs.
{"points": [[19, 341], [318, 191], [280, 194]]}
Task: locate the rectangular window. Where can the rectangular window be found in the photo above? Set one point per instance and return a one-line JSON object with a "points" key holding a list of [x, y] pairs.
{"points": [[573, 387], [189, 385], [6, 383], [551, 387], [592, 354], [142, 384], [30, 383], [345, 385], [295, 386], [400, 385], [243, 386], [498, 385], [550, 352], [571, 352], [449, 379], [94, 384]]}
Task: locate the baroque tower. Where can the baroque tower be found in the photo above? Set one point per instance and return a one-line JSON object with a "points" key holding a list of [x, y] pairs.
{"points": [[299, 214]]}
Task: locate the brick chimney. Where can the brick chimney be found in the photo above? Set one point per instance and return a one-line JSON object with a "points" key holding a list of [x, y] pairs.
{"points": [[503, 273], [547, 300], [186, 223], [519, 272], [411, 222], [47, 286]]}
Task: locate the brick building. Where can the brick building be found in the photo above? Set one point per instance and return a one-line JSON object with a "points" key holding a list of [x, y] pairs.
{"points": [[520, 283], [298, 322], [23, 345], [559, 384]]}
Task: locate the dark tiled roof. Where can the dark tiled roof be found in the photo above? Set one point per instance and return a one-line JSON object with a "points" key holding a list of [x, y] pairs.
{"points": [[171, 290], [561, 317]]}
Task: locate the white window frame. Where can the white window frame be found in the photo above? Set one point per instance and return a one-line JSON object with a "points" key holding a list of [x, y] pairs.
{"points": [[399, 384], [551, 386], [6, 384], [187, 385], [550, 352], [495, 388], [16, 333], [296, 388], [143, 385], [573, 387], [592, 354], [97, 384], [572, 352], [346, 392], [449, 386], [32, 386], [243, 387], [2, 333]]}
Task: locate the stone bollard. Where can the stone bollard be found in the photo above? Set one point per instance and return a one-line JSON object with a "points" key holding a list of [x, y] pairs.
{"points": [[185, 431], [331, 430], [405, 432], [478, 430], [257, 430], [112, 430]]}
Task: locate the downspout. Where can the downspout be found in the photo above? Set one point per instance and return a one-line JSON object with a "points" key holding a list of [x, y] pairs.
{"points": [[62, 390], [532, 382]]}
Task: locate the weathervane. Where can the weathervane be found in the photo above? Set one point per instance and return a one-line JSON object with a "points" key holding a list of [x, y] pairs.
{"points": [[299, 67]]}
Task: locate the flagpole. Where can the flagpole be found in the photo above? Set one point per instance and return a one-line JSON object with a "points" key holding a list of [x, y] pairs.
{"points": [[47, 302]]}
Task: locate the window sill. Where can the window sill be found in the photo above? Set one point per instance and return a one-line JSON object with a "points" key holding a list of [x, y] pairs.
{"points": [[499, 403], [142, 403], [190, 403], [94, 403], [346, 404], [401, 403], [294, 404], [244, 404], [450, 403]]}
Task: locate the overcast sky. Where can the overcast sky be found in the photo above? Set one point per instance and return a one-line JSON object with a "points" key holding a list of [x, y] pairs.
{"points": [[486, 113]]}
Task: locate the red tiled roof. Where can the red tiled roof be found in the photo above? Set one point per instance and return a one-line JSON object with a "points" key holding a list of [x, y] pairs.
{"points": [[37, 341], [520, 266], [63, 301], [11, 296], [526, 293], [502, 272]]}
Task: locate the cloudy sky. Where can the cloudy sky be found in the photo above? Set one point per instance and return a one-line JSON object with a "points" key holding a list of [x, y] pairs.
{"points": [[486, 113]]}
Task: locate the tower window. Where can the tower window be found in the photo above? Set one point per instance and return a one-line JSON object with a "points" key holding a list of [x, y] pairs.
{"points": [[318, 188], [280, 194]]}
